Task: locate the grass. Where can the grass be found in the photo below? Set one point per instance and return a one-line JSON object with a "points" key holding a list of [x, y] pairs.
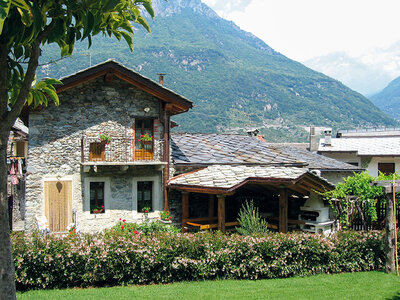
{"points": [[366, 285]]}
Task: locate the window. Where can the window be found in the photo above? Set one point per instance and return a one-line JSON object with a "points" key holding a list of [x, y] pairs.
{"points": [[96, 152], [144, 195], [20, 148], [386, 168], [144, 147], [97, 197]]}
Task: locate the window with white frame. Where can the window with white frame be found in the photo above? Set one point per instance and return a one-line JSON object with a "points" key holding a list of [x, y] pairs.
{"points": [[147, 193], [97, 194]]}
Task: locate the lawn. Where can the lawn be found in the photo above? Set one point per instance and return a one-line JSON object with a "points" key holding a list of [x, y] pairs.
{"points": [[366, 285]]}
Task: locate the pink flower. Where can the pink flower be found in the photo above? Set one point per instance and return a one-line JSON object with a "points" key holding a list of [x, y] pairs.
{"points": [[136, 232], [124, 221]]}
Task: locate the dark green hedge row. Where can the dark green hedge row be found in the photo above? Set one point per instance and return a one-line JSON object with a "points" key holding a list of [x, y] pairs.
{"points": [[116, 259]]}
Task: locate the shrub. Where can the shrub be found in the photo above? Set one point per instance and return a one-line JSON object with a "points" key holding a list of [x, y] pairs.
{"points": [[250, 221], [116, 259], [147, 227]]}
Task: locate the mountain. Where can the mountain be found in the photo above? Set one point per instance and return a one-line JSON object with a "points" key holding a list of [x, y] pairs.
{"points": [[352, 71], [388, 100], [367, 73], [235, 80]]}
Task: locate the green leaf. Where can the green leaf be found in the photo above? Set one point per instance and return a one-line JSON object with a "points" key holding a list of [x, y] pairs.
{"points": [[110, 5], [29, 98], [149, 9], [18, 51], [142, 21], [88, 25], [4, 9], [52, 81], [128, 39], [52, 94], [21, 4]]}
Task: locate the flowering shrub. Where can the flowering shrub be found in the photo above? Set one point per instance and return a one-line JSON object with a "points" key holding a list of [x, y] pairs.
{"points": [[146, 228], [135, 258]]}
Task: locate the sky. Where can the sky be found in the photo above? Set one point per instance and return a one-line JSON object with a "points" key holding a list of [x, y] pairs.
{"points": [[303, 29]]}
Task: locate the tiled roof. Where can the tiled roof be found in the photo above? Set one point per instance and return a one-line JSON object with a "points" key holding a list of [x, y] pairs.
{"points": [[226, 176], [383, 146], [314, 161], [207, 149]]}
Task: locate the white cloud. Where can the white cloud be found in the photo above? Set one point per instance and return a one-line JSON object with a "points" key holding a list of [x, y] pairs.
{"points": [[308, 28]]}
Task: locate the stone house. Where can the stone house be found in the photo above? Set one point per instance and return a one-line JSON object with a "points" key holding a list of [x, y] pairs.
{"points": [[73, 176], [375, 150]]}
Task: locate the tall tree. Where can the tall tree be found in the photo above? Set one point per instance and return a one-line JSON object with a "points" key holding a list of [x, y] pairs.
{"points": [[25, 26]]}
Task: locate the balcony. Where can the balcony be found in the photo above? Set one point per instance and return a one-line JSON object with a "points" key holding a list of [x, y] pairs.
{"points": [[121, 151]]}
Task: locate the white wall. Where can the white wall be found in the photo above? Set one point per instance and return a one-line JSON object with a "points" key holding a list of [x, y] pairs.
{"points": [[373, 165]]}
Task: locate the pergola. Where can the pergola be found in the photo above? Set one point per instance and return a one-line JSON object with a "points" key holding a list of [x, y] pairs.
{"points": [[224, 180]]}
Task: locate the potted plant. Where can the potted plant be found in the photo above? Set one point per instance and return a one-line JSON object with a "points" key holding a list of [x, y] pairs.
{"points": [[165, 217], [98, 210], [104, 138], [146, 209], [146, 138]]}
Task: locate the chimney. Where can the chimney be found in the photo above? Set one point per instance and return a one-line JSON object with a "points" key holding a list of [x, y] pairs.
{"points": [[313, 140], [161, 78], [328, 136]]}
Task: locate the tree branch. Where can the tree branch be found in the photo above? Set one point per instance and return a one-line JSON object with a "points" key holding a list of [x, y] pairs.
{"points": [[29, 75], [3, 81]]}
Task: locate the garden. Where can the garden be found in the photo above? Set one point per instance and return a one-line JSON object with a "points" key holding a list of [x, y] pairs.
{"points": [[157, 253]]}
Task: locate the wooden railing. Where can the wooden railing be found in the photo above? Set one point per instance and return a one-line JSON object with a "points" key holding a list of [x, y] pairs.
{"points": [[121, 149]]}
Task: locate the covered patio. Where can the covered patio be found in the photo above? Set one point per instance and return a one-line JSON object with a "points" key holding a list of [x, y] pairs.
{"points": [[211, 196]]}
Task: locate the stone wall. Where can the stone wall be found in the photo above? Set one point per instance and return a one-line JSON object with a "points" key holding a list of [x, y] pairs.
{"points": [[55, 145]]}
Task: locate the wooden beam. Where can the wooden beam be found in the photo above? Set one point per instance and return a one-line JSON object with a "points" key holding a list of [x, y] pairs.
{"points": [[211, 206], [283, 210], [185, 210], [221, 213], [389, 241]]}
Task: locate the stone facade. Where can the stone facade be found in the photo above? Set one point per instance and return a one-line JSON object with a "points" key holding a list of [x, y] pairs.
{"points": [[55, 143]]}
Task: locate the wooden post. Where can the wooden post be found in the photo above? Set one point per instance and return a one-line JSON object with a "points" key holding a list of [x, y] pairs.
{"points": [[389, 235], [221, 213], [283, 210], [185, 210], [211, 206]]}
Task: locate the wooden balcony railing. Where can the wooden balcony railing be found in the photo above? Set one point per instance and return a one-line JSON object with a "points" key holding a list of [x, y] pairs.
{"points": [[122, 150]]}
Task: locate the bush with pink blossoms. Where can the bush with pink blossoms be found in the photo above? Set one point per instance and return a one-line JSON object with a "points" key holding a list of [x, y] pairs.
{"points": [[52, 261]]}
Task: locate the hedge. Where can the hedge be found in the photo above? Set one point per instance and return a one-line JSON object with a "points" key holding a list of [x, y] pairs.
{"points": [[117, 259]]}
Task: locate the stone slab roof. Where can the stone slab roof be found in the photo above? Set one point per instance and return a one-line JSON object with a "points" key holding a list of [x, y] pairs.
{"points": [[226, 176], [375, 146], [314, 161], [208, 149]]}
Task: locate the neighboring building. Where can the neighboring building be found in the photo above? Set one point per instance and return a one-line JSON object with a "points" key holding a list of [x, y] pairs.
{"points": [[331, 169], [16, 160], [373, 150], [74, 177], [217, 173]]}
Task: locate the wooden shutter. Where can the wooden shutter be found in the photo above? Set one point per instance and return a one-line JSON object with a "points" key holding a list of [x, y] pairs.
{"points": [[58, 204], [96, 152]]}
